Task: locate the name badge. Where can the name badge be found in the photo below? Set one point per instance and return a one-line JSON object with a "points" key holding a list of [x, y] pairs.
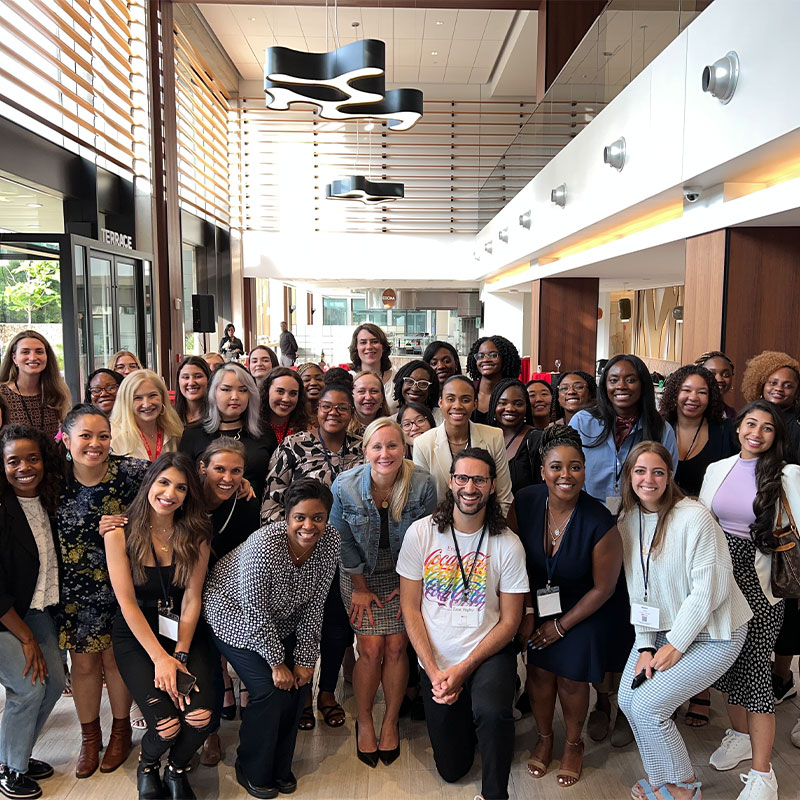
{"points": [[613, 504], [168, 624], [465, 616], [644, 615], [548, 601]]}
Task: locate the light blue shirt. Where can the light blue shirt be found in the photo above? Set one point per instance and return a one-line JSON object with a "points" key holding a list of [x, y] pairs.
{"points": [[604, 463]]}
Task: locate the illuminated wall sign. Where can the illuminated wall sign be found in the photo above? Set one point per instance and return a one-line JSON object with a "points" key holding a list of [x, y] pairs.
{"points": [[389, 298], [117, 239]]}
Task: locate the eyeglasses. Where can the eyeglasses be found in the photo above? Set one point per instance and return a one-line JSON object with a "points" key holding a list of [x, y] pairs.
{"points": [[492, 356], [408, 424], [424, 385], [342, 408], [563, 388], [479, 480], [111, 388]]}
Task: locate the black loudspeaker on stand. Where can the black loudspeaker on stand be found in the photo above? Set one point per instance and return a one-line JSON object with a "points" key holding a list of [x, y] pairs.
{"points": [[203, 317]]}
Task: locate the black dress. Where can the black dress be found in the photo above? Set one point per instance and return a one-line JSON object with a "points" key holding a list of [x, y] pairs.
{"points": [[195, 440], [233, 522], [525, 466], [600, 643], [689, 474]]}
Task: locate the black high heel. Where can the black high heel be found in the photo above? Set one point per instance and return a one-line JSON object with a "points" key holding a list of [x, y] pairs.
{"points": [[389, 756], [370, 759], [229, 712]]}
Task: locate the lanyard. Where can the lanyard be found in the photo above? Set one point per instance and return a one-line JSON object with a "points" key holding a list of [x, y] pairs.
{"points": [[27, 411], [619, 464], [514, 439], [464, 577], [167, 598], [327, 453], [159, 444], [645, 567], [552, 561]]}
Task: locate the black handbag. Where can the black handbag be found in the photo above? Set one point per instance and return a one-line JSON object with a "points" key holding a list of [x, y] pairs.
{"points": [[786, 557]]}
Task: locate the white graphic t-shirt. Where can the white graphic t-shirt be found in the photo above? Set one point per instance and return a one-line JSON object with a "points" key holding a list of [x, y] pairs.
{"points": [[431, 557]]}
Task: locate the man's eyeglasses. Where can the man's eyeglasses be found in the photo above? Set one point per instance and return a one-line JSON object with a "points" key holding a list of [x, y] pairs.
{"points": [[424, 385], [111, 388], [326, 408], [493, 355], [462, 480]]}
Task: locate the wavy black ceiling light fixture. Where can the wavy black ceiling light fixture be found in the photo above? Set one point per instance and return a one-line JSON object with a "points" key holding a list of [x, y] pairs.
{"points": [[346, 83]]}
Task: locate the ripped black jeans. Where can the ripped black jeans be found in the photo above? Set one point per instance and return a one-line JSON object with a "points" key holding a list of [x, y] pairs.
{"points": [[181, 733]]}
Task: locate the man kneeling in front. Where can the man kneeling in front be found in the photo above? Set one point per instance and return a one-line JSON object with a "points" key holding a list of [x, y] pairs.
{"points": [[462, 582]]}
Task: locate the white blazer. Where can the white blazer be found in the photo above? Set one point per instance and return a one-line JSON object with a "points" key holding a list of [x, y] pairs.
{"points": [[432, 452], [790, 481]]}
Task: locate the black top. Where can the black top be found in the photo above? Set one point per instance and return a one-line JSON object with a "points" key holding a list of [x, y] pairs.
{"points": [[689, 474], [526, 465], [19, 557], [288, 344], [383, 542], [195, 440], [235, 346], [233, 522], [793, 429]]}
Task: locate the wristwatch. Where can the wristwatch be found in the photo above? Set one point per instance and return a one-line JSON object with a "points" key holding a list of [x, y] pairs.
{"points": [[179, 655]]}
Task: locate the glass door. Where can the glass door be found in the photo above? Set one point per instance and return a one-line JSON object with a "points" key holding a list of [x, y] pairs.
{"points": [[101, 294], [127, 305]]}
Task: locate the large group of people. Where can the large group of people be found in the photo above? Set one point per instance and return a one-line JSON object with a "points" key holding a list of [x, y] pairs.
{"points": [[448, 527]]}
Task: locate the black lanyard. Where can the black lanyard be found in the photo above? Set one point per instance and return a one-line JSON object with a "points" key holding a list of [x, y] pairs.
{"points": [[619, 464], [464, 577], [645, 566], [552, 561], [327, 454], [167, 598], [27, 410]]}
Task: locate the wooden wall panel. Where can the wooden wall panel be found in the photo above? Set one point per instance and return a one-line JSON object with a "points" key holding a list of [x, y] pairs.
{"points": [[567, 323], [762, 287], [567, 24], [704, 294]]}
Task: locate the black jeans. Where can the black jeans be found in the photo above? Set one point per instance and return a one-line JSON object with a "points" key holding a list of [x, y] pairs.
{"points": [[269, 729], [337, 636], [483, 711], [138, 672]]}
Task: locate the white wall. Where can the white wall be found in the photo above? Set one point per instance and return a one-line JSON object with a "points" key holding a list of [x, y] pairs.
{"points": [[503, 314]]}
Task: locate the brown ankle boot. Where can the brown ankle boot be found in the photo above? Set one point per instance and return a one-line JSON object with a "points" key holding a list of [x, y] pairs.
{"points": [[119, 745], [91, 742]]}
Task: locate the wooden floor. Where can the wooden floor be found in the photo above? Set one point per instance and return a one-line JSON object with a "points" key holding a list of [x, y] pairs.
{"points": [[326, 765]]}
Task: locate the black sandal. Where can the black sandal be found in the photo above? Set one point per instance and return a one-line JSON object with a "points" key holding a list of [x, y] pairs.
{"points": [[307, 721], [702, 719], [229, 712], [333, 715]]}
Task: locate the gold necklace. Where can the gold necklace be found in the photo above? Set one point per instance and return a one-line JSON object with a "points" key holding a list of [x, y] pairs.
{"points": [[386, 497], [296, 556], [164, 547]]}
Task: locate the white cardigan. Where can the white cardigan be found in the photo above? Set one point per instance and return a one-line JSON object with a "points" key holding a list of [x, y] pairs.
{"points": [[432, 452], [691, 577], [790, 480]]}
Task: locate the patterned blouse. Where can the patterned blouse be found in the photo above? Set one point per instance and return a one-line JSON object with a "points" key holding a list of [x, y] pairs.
{"points": [[29, 411], [255, 597], [302, 455]]}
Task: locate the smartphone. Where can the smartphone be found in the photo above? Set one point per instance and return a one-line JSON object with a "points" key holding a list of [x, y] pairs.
{"points": [[185, 682], [639, 679]]}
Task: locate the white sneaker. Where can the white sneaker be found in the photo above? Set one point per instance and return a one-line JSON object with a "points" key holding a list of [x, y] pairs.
{"points": [[795, 734], [757, 787], [733, 748]]}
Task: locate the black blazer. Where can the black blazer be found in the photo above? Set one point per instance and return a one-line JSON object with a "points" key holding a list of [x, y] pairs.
{"points": [[19, 557]]}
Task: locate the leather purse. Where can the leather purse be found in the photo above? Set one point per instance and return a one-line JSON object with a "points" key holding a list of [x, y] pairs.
{"points": [[786, 557]]}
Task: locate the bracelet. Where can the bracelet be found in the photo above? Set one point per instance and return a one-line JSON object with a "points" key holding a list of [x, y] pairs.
{"points": [[650, 650], [181, 656], [559, 630], [529, 610]]}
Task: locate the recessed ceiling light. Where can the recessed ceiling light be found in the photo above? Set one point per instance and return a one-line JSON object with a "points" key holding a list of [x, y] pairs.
{"points": [[34, 205], [439, 22], [434, 52], [252, 19]]}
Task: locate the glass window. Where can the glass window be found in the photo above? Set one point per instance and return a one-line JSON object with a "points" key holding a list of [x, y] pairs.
{"points": [[334, 311], [416, 322]]}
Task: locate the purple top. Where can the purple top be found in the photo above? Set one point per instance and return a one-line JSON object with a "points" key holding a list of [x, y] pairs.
{"points": [[733, 502]]}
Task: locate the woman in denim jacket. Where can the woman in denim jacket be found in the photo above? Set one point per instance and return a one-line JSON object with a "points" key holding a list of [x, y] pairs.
{"points": [[373, 505]]}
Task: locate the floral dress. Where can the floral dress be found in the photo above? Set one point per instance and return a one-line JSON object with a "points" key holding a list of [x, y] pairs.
{"points": [[88, 605]]}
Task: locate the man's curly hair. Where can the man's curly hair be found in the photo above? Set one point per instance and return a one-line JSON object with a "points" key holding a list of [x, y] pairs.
{"points": [[668, 404], [760, 367], [510, 362]]}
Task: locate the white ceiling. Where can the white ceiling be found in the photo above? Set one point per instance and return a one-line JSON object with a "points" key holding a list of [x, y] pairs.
{"points": [[25, 210], [422, 45]]}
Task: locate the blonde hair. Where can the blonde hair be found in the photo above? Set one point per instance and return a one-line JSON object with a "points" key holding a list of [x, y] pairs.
{"points": [[402, 484], [383, 411], [112, 363], [125, 435]]}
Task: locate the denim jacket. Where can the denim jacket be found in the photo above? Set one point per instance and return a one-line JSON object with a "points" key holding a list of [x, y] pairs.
{"points": [[356, 517]]}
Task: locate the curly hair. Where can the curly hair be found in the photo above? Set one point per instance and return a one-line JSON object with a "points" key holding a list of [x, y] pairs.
{"points": [[380, 335], [432, 400], [497, 393], [494, 519], [668, 404], [560, 436], [298, 417], [700, 361], [556, 411], [510, 362], [338, 376], [760, 367], [50, 485]]}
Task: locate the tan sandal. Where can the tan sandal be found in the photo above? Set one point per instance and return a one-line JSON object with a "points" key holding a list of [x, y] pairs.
{"points": [[565, 775], [538, 769]]}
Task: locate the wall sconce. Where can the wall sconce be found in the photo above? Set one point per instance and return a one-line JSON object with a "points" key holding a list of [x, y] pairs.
{"points": [[720, 79], [614, 154], [677, 314], [525, 220], [503, 235], [559, 195], [488, 247]]}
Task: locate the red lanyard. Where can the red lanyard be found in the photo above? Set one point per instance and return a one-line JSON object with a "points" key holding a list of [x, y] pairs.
{"points": [[159, 443]]}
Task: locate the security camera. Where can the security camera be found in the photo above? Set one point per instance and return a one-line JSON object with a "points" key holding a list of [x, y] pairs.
{"points": [[692, 193]]}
